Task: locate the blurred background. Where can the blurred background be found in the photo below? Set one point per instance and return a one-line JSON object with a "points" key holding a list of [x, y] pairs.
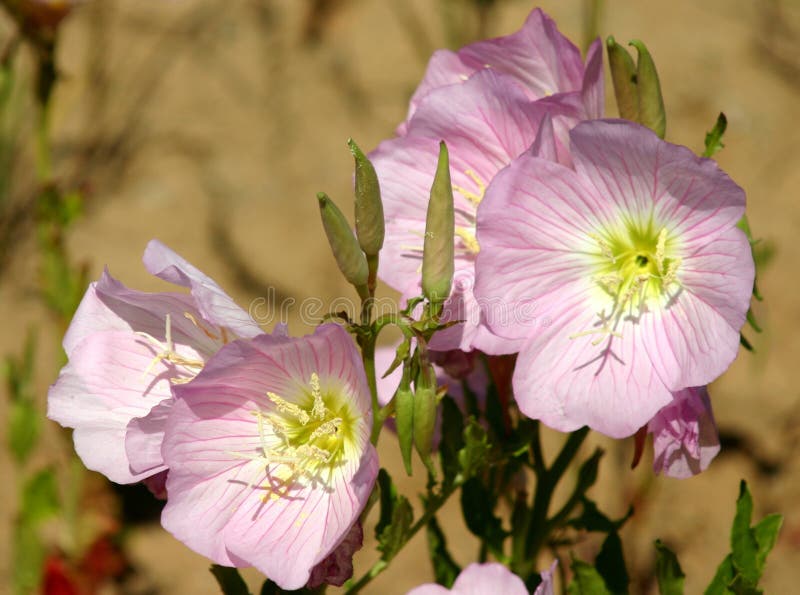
{"points": [[211, 124]]}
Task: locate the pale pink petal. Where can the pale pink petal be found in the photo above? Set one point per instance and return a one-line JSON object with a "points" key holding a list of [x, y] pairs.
{"points": [[480, 579], [547, 586], [593, 91], [101, 389], [215, 305], [144, 437], [567, 381], [236, 510], [685, 437], [646, 178], [538, 57], [544, 145], [533, 229]]}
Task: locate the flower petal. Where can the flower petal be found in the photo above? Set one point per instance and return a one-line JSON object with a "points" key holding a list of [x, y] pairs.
{"points": [[215, 305]]}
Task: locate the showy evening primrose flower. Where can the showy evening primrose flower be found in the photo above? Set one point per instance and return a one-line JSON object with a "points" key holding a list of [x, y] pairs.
{"points": [[126, 350], [538, 58], [480, 579], [639, 276], [685, 437], [269, 453]]}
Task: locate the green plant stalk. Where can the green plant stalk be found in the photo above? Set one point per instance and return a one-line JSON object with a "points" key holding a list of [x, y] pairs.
{"points": [[536, 527]]}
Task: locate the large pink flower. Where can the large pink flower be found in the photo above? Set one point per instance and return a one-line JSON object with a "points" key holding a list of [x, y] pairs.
{"points": [[486, 122], [126, 349], [638, 274], [481, 579], [269, 453], [685, 437], [538, 57]]}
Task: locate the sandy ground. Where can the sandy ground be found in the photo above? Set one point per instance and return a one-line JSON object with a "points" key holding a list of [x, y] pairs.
{"points": [[239, 118]]}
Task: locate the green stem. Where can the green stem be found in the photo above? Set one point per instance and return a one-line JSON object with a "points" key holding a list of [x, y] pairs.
{"points": [[368, 355], [537, 527]]}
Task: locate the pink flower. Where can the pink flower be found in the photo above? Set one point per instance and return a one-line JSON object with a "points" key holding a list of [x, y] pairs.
{"points": [[639, 276], [269, 453], [685, 437], [486, 122], [538, 57], [126, 350], [479, 579]]}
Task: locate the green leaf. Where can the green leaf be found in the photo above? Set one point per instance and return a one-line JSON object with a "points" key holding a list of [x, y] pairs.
{"points": [[714, 136], [393, 537], [40, 497], [591, 519], [388, 501], [722, 579], [452, 439], [445, 569], [744, 547], [229, 580], [476, 449], [668, 571], [586, 580], [766, 534], [477, 506], [610, 564], [23, 415]]}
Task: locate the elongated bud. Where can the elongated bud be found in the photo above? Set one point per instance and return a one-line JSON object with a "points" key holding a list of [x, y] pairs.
{"points": [[349, 257], [369, 208], [425, 415], [404, 412], [623, 75], [651, 102], [437, 258]]}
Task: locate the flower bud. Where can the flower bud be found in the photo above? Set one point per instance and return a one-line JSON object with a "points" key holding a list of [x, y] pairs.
{"points": [[425, 415], [404, 412], [623, 75], [439, 252], [651, 102], [349, 257], [369, 208]]}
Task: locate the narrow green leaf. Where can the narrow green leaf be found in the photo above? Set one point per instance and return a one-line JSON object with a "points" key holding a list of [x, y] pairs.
{"points": [[744, 548], [610, 564], [388, 501], [669, 574], [445, 569], [722, 579], [477, 506], [452, 439], [393, 538], [229, 580], [766, 534], [714, 136]]}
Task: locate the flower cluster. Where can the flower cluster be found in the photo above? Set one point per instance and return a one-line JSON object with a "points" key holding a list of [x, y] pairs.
{"points": [[259, 443], [606, 257], [598, 268]]}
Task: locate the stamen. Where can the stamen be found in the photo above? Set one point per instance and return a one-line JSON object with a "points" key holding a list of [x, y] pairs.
{"points": [[661, 246], [329, 428], [285, 406], [605, 247], [319, 410], [468, 239], [206, 331], [167, 352], [472, 197]]}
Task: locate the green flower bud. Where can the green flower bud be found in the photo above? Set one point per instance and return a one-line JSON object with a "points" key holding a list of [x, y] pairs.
{"points": [[439, 252], [425, 415], [404, 414], [349, 257], [651, 102], [369, 208], [623, 75]]}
